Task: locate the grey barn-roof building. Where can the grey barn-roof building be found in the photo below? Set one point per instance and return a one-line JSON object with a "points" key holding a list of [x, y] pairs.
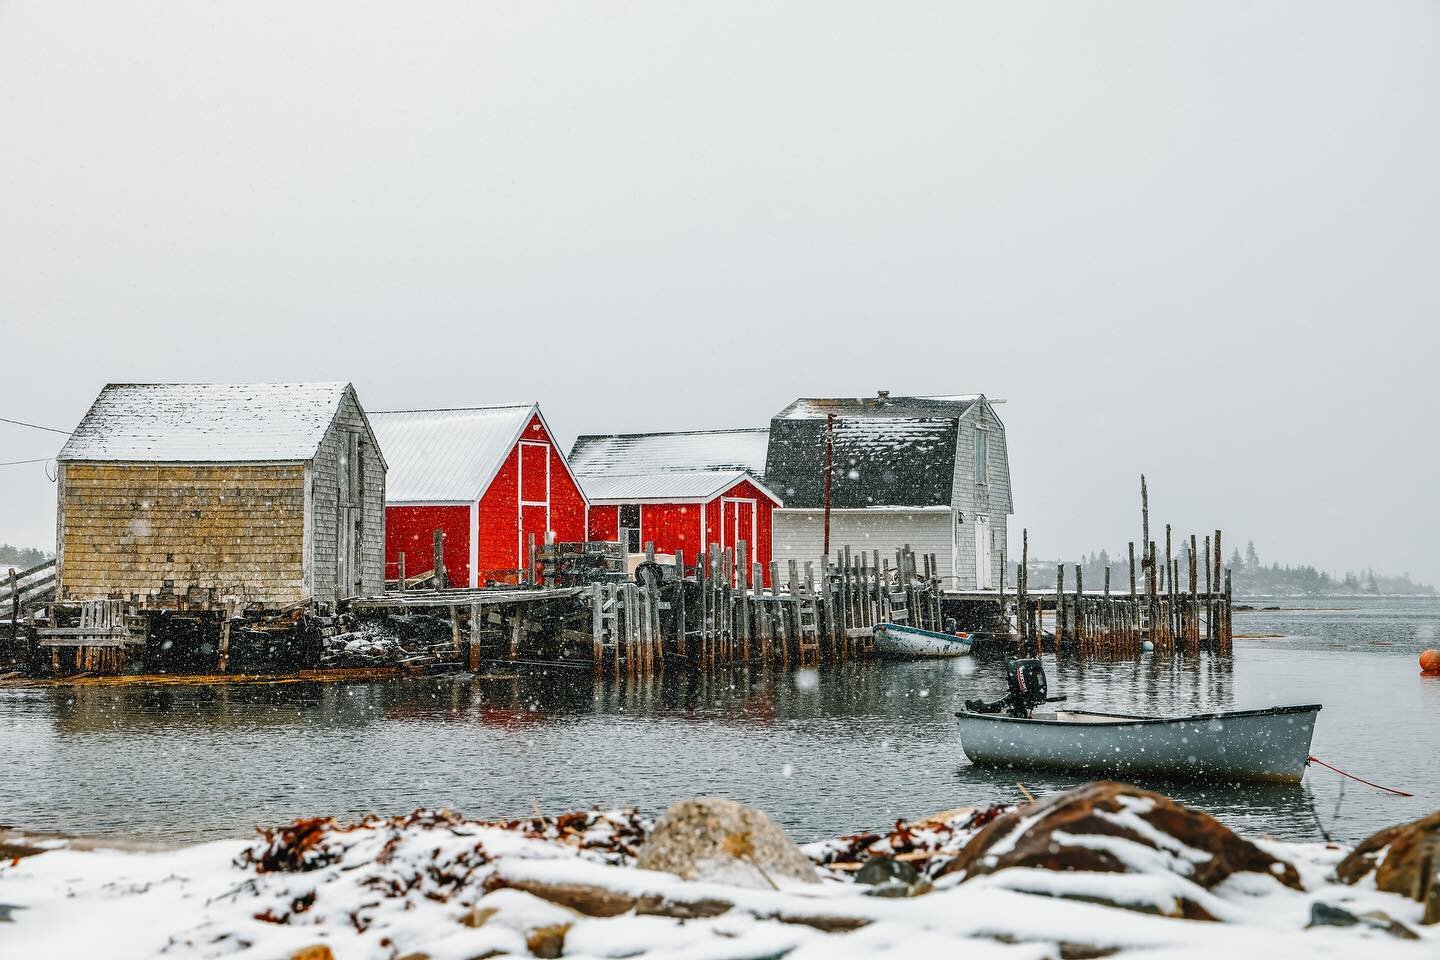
{"points": [[931, 472]]}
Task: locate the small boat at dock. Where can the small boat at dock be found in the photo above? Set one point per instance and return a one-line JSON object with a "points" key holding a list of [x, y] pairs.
{"points": [[1269, 744], [900, 640]]}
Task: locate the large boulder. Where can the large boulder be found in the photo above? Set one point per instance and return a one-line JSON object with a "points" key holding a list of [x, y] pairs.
{"points": [[1405, 860], [711, 838], [1106, 827]]}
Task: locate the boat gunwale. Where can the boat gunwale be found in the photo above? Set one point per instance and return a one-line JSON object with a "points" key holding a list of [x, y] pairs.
{"points": [[1125, 720], [968, 639]]}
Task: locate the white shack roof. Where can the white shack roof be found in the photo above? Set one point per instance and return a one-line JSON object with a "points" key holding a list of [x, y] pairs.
{"points": [[205, 422], [637, 454], [693, 486], [447, 456]]}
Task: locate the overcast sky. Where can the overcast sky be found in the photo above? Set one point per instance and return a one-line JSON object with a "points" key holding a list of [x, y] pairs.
{"points": [[1196, 239]]}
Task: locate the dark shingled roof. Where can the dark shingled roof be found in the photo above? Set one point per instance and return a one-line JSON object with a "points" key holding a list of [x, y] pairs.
{"points": [[890, 452]]}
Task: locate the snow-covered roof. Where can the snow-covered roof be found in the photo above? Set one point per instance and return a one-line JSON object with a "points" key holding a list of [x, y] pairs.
{"points": [[205, 422], [649, 453], [880, 408], [888, 451], [447, 456], [696, 486]]}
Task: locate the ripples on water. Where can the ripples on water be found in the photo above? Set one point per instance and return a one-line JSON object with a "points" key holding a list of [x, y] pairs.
{"points": [[826, 751]]}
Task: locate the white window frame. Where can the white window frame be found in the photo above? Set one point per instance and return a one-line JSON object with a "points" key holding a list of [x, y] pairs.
{"points": [[734, 535], [982, 454], [522, 503]]}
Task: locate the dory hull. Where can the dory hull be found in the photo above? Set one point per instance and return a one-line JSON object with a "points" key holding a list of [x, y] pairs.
{"points": [[897, 640], [1270, 744]]}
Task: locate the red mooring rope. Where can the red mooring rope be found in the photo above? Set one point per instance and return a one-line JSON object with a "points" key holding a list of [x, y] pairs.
{"points": [[1399, 793]]}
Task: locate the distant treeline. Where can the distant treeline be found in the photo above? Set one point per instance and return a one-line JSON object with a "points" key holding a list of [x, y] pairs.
{"points": [[1248, 576], [21, 557]]}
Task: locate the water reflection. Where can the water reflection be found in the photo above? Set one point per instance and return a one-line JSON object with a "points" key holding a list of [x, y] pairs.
{"points": [[843, 748]]}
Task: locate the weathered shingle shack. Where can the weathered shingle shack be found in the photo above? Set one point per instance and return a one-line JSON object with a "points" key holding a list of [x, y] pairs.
{"points": [[260, 496], [931, 472]]}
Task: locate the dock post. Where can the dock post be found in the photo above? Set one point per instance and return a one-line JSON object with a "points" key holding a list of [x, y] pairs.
{"points": [[455, 644], [1209, 600], [475, 620], [1225, 646], [632, 628], [762, 615], [596, 626], [224, 658], [1218, 560], [402, 571], [1059, 605], [1025, 639], [679, 605], [438, 576]]}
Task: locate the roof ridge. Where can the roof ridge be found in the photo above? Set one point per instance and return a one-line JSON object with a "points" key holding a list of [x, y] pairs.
{"points": [[519, 405], [671, 433], [230, 383]]}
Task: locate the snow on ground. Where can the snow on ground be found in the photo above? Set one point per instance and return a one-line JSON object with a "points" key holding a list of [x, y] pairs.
{"points": [[438, 885]]}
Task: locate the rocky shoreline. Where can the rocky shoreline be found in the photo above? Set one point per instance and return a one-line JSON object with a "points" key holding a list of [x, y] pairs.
{"points": [[1105, 869]]}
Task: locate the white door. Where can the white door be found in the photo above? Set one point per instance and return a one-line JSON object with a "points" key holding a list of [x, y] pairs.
{"points": [[983, 572]]}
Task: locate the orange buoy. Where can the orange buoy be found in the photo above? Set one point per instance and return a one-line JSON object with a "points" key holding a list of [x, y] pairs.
{"points": [[1430, 661]]}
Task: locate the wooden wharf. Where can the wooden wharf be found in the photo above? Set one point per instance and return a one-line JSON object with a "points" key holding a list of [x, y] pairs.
{"points": [[720, 611]]}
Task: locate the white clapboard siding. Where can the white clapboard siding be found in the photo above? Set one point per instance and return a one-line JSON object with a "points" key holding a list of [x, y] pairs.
{"points": [[799, 535]]}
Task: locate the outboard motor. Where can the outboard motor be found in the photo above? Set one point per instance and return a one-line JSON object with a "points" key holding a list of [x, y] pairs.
{"points": [[1027, 690]]}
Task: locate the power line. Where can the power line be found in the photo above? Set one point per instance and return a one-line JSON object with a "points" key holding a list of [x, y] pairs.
{"points": [[11, 463], [34, 426]]}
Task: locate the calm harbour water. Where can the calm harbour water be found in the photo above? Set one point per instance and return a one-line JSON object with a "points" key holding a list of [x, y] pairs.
{"points": [[823, 752]]}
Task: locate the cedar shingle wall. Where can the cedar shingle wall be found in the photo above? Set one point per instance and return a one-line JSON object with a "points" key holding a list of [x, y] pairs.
{"points": [[236, 528], [326, 478]]}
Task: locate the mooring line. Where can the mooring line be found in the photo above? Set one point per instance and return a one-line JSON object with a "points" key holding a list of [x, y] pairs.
{"points": [[1399, 793]]}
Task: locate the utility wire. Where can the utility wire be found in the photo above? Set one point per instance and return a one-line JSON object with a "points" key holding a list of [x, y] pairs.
{"points": [[34, 426], [11, 463]]}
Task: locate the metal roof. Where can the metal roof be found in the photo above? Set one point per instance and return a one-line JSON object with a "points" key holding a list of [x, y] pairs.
{"points": [[686, 452], [696, 486], [205, 422], [447, 456]]}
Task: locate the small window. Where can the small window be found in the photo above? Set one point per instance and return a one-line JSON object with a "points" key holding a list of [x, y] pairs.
{"points": [[351, 478], [982, 455], [630, 526]]}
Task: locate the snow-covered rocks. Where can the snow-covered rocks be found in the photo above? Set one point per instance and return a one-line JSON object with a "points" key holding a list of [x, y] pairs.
{"points": [[1106, 827], [1405, 859], [437, 885], [711, 838]]}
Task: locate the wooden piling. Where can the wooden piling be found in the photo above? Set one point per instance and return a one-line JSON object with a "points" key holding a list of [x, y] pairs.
{"points": [[1059, 605], [439, 577]]}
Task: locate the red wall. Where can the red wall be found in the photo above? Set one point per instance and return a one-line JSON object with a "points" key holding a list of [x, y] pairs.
{"points": [[676, 526], [501, 553], [671, 527], [604, 523], [412, 530]]}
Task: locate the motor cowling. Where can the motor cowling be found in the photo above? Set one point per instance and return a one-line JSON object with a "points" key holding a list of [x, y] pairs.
{"points": [[1028, 689]]}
